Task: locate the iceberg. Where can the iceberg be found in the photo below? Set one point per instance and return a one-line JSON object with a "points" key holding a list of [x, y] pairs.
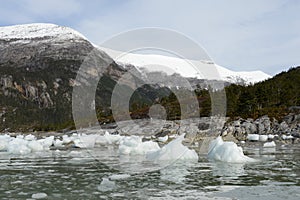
{"points": [[174, 150], [106, 185], [227, 152], [253, 137], [135, 146], [263, 138], [269, 144]]}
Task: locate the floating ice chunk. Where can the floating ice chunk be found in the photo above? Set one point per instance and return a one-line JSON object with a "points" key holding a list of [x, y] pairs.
{"points": [[19, 149], [131, 141], [108, 139], [39, 196], [30, 137], [112, 139], [3, 145], [163, 139], [119, 176], [20, 136], [227, 152], [269, 144], [253, 137], [289, 137], [284, 137], [66, 139], [34, 145], [263, 138], [4, 140], [146, 147], [134, 145], [101, 140], [174, 150], [47, 142], [18, 146], [58, 143], [270, 136], [85, 141], [106, 185]]}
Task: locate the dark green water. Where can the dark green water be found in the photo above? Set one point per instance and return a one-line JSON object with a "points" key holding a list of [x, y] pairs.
{"points": [[78, 174]]}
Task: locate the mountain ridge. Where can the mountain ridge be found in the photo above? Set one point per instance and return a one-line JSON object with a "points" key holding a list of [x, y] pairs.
{"points": [[146, 63]]}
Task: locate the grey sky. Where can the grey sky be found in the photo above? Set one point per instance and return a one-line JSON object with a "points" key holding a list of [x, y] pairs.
{"points": [[240, 35]]}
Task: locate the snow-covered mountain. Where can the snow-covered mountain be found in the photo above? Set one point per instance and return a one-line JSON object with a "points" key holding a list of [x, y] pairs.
{"points": [[202, 69], [26, 32], [43, 33]]}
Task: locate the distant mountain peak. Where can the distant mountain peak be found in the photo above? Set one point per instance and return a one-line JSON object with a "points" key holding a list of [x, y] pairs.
{"points": [[202, 69]]}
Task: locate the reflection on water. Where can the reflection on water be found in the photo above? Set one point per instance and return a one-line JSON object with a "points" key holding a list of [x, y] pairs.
{"points": [[77, 175], [230, 170]]}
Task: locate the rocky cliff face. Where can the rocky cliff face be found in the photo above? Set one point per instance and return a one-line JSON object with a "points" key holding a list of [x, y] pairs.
{"points": [[38, 67]]}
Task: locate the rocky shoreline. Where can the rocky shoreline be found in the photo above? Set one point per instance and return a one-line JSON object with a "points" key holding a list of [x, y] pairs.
{"points": [[198, 131], [288, 129]]}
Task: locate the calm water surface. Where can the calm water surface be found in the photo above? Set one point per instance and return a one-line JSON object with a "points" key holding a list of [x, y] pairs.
{"points": [[77, 174]]}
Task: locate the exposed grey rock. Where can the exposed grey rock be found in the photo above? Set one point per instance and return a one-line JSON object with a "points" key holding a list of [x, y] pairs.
{"points": [[203, 126], [241, 128], [46, 101], [284, 127], [6, 81]]}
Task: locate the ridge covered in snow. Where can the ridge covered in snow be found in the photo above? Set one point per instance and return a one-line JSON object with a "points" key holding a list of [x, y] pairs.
{"points": [[38, 30], [201, 69], [144, 63]]}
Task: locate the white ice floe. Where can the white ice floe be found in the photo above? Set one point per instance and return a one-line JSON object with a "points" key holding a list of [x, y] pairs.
{"points": [[174, 150], [106, 185], [119, 176], [19, 149], [58, 143], [21, 145], [269, 144], [39, 195], [4, 140], [253, 137], [30, 137], [85, 141], [108, 139], [127, 145], [287, 137], [227, 152], [135, 145], [47, 142], [35, 146], [271, 137], [163, 139], [263, 138], [18, 146], [284, 137], [66, 139]]}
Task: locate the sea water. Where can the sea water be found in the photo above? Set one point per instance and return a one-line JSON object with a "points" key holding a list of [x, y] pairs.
{"points": [[102, 173]]}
